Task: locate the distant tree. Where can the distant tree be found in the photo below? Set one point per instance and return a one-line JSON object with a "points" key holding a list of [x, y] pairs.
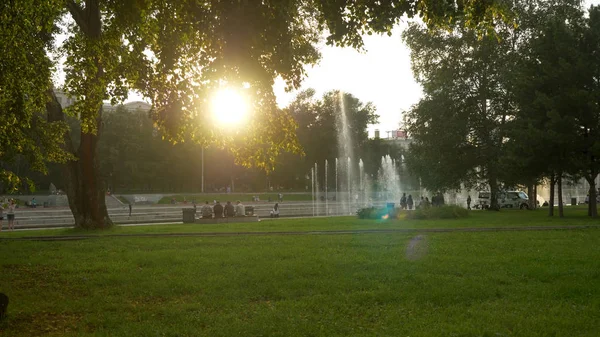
{"points": [[459, 126], [559, 112], [318, 123]]}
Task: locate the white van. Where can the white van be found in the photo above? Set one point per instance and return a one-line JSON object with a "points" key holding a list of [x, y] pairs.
{"points": [[513, 199], [508, 199]]}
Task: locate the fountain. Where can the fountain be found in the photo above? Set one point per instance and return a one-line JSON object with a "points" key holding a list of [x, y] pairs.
{"points": [[389, 180], [317, 189], [326, 187], [312, 186]]}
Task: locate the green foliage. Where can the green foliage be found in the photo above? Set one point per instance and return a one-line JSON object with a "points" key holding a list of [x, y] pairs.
{"points": [[319, 123], [423, 213], [444, 212], [458, 127], [372, 213], [26, 37]]}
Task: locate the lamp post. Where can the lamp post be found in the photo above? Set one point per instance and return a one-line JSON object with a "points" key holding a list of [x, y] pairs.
{"points": [[202, 169]]}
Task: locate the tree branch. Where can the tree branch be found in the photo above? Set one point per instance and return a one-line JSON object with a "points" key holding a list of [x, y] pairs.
{"points": [[78, 15]]}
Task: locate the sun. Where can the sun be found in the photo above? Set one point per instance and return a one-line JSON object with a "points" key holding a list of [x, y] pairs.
{"points": [[229, 106]]}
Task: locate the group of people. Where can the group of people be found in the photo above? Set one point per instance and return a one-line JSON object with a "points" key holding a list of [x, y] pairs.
{"points": [[8, 207], [220, 211], [406, 202]]}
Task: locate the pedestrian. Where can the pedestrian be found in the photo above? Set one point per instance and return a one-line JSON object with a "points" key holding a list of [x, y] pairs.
{"points": [[11, 215], [409, 201], [129, 209], [403, 201], [469, 202], [280, 197]]}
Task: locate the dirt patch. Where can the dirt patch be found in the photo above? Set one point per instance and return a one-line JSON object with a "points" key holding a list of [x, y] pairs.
{"points": [[40, 324], [416, 248]]}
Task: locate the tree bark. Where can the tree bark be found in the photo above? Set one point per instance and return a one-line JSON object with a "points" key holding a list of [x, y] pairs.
{"points": [[85, 194], [551, 201], [493, 194], [82, 180], [560, 196]]}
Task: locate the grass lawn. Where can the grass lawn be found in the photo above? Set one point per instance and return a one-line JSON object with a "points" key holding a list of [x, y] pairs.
{"points": [[505, 218], [544, 283]]}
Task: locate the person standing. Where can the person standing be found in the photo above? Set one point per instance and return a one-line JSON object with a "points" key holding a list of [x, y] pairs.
{"points": [[129, 209], [409, 201], [469, 202], [11, 215], [403, 201]]}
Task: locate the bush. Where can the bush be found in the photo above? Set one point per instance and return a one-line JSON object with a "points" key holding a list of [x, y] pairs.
{"points": [[377, 213], [444, 212]]}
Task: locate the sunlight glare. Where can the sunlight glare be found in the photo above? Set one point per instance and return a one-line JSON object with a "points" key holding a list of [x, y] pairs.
{"points": [[229, 106]]}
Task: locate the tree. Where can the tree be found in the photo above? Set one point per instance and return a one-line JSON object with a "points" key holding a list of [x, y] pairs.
{"points": [[459, 126], [559, 109], [318, 123], [177, 52]]}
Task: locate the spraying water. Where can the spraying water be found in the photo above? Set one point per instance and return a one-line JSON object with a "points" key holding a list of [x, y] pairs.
{"points": [[317, 188], [326, 196]]}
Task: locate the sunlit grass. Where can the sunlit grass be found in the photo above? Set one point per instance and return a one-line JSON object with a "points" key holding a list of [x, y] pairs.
{"points": [[477, 219], [435, 284]]}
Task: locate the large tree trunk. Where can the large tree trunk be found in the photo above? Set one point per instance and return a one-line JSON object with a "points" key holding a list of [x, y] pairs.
{"points": [[84, 188], [493, 194], [82, 183], [560, 196], [551, 201]]}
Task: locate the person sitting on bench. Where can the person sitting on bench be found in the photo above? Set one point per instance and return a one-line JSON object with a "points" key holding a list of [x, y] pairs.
{"points": [[240, 209], [218, 210], [207, 211], [275, 211], [229, 210]]}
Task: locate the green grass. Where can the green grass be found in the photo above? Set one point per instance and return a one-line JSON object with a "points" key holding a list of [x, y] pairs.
{"points": [[451, 284], [244, 197], [477, 219]]}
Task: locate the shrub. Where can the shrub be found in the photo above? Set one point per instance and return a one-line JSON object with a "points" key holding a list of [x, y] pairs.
{"points": [[444, 212], [378, 213]]}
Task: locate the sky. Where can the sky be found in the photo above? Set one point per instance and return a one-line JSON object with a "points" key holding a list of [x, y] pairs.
{"points": [[381, 75]]}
